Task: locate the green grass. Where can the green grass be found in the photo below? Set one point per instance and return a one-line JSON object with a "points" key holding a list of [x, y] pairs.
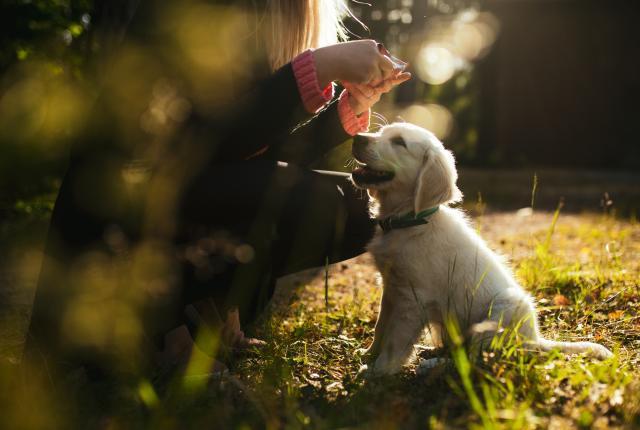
{"points": [[584, 272]]}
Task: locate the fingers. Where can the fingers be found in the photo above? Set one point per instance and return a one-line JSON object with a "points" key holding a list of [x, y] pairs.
{"points": [[363, 97], [366, 90], [387, 67], [402, 77], [382, 87], [375, 80], [362, 93], [359, 103], [366, 95], [389, 84], [398, 79]]}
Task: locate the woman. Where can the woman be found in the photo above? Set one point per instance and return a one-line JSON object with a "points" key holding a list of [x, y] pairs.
{"points": [[174, 198]]}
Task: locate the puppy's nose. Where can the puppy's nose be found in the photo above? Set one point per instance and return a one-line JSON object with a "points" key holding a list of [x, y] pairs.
{"points": [[360, 140]]}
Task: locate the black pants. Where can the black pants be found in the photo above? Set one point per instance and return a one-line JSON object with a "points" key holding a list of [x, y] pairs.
{"points": [[251, 222], [240, 226]]}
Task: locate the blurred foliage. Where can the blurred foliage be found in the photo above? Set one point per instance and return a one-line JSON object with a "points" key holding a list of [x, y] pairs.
{"points": [[46, 46], [53, 30], [43, 48], [449, 105]]}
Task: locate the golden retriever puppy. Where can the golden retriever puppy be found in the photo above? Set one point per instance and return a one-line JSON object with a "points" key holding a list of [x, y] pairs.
{"points": [[435, 267]]}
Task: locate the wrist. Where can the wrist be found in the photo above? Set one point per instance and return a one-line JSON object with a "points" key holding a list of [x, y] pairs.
{"points": [[356, 107], [324, 65], [313, 96], [352, 123]]}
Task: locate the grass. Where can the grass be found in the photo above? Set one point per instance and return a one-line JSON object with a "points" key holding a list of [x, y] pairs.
{"points": [[584, 271]]}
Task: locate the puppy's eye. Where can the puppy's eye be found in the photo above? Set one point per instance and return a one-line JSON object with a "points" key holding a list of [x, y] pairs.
{"points": [[398, 140]]}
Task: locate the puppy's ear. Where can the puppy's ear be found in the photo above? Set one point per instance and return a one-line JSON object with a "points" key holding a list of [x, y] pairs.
{"points": [[436, 183]]}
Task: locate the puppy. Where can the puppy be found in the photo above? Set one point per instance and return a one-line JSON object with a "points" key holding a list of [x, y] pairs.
{"points": [[434, 266]]}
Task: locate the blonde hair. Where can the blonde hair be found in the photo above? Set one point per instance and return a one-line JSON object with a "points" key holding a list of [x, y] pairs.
{"points": [[297, 25]]}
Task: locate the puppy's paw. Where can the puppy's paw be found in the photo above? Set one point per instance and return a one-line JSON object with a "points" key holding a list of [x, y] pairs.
{"points": [[386, 367], [426, 366], [364, 372], [368, 373]]}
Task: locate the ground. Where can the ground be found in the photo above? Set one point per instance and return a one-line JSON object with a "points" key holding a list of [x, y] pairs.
{"points": [[583, 270]]}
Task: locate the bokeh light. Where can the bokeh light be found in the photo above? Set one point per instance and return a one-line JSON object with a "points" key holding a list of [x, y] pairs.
{"points": [[431, 116], [40, 107], [453, 43], [436, 64]]}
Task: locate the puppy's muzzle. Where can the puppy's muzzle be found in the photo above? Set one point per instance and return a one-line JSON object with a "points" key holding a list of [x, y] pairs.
{"points": [[366, 175], [360, 149]]}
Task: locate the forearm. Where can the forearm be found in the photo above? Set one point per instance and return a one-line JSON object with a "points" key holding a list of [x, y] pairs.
{"points": [[267, 116], [311, 140], [329, 128], [272, 108]]}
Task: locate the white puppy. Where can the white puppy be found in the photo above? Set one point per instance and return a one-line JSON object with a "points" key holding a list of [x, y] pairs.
{"points": [[434, 266]]}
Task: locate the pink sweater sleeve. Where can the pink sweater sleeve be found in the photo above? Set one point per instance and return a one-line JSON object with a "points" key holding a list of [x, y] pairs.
{"points": [[352, 123], [314, 98], [304, 69]]}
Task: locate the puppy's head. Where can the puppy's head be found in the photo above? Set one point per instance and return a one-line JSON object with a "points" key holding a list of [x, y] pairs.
{"points": [[408, 162]]}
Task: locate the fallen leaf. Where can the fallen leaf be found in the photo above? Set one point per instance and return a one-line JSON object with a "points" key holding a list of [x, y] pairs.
{"points": [[616, 315], [560, 300]]}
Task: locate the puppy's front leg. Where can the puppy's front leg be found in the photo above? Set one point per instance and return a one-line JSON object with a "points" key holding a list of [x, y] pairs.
{"points": [[401, 332], [386, 307]]}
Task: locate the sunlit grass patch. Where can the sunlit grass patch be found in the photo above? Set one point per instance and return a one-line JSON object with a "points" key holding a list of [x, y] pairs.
{"points": [[584, 274], [585, 277]]}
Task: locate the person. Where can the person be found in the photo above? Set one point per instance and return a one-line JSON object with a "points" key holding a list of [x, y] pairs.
{"points": [[190, 190]]}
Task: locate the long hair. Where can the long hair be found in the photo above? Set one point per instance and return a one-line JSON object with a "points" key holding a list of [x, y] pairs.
{"points": [[297, 25]]}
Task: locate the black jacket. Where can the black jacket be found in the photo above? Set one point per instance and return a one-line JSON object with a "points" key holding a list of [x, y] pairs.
{"points": [[182, 88], [162, 101]]}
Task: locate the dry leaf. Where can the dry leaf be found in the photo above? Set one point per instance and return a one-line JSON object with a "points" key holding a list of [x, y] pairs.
{"points": [[560, 300], [616, 315]]}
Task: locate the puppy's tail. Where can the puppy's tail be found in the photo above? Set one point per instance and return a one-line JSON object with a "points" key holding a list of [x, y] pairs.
{"points": [[592, 349]]}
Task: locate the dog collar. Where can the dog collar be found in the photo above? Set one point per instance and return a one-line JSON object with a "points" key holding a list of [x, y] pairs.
{"points": [[407, 220]]}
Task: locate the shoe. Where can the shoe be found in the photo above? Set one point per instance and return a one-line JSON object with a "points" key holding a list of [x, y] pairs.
{"points": [[207, 328], [178, 357]]}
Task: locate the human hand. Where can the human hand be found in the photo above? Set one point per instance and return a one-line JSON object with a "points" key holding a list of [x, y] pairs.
{"points": [[363, 97], [358, 62]]}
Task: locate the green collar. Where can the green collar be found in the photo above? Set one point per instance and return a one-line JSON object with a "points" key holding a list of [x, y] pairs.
{"points": [[407, 220]]}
